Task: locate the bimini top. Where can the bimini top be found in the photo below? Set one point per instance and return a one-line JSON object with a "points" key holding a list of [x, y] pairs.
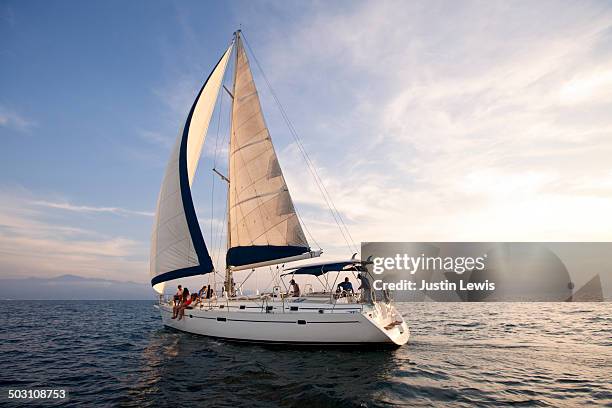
{"points": [[321, 268]]}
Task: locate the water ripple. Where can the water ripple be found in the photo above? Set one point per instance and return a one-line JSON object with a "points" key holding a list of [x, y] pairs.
{"points": [[117, 354]]}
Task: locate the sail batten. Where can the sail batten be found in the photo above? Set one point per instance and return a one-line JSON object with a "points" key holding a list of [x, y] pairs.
{"points": [[177, 245], [263, 224]]}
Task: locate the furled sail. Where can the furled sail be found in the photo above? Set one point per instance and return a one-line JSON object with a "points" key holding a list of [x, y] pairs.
{"points": [[262, 219], [177, 245]]}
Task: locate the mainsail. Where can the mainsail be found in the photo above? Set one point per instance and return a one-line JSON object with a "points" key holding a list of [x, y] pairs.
{"points": [[263, 224], [177, 245]]}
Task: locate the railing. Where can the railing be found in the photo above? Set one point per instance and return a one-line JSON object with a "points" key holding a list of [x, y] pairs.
{"points": [[216, 303], [351, 299]]}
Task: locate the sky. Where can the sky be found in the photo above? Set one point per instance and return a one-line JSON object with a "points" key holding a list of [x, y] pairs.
{"points": [[427, 121]]}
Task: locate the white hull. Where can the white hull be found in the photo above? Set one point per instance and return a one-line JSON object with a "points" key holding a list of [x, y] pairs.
{"points": [[312, 323]]}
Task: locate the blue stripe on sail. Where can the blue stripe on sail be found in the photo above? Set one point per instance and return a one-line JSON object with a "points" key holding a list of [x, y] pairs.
{"points": [[245, 255], [176, 274], [204, 260]]}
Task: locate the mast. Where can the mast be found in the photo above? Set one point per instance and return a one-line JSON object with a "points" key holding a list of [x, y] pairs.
{"points": [[229, 279]]}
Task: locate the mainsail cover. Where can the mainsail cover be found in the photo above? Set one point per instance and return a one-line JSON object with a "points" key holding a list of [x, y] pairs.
{"points": [[177, 245], [263, 223]]}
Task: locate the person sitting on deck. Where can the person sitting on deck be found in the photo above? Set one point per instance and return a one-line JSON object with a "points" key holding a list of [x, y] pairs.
{"points": [[197, 297], [210, 292], [345, 286], [178, 295], [203, 293], [182, 300], [195, 300], [295, 289], [187, 304]]}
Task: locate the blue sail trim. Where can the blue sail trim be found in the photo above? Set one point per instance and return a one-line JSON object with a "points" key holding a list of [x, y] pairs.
{"points": [[245, 255], [176, 274], [204, 260]]}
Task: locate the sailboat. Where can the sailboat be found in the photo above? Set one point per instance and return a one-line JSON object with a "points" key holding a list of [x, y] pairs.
{"points": [[263, 230]]}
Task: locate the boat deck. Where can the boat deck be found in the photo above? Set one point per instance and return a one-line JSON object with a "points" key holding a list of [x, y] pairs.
{"points": [[311, 303]]}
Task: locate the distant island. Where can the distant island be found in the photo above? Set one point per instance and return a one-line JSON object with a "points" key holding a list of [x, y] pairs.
{"points": [[72, 287]]}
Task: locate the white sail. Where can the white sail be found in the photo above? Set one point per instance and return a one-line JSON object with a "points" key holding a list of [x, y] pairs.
{"points": [[177, 245], [263, 222]]}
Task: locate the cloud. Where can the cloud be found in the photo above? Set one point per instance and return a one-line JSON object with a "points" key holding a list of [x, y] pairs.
{"points": [[444, 121], [7, 15], [35, 243], [90, 209], [157, 138], [13, 120]]}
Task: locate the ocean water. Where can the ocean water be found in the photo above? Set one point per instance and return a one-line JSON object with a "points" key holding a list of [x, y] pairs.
{"points": [[486, 354]]}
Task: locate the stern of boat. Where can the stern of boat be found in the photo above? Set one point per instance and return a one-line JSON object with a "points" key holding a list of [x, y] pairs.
{"points": [[389, 321]]}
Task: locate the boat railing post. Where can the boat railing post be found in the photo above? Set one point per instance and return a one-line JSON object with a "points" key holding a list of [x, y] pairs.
{"points": [[277, 290], [282, 299]]}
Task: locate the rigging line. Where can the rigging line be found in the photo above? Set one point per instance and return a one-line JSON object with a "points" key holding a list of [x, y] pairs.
{"points": [[306, 228], [218, 128], [274, 276], [221, 229], [324, 192], [329, 202], [223, 226], [322, 189], [226, 141], [246, 279], [212, 195]]}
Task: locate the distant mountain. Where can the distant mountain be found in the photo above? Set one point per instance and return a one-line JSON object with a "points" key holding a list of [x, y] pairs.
{"points": [[72, 287]]}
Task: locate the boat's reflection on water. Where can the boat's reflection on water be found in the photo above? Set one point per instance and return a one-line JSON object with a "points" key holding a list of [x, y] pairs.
{"points": [[183, 368]]}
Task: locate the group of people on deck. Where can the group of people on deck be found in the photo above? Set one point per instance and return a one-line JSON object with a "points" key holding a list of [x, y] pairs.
{"points": [[343, 289], [183, 300]]}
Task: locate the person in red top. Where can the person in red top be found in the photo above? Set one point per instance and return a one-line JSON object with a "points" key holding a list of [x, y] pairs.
{"points": [[186, 305]]}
